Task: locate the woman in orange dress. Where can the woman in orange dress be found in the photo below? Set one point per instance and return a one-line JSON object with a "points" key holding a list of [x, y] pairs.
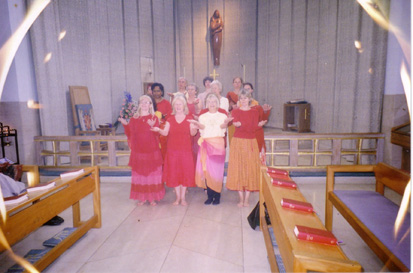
{"points": [[244, 160], [165, 108], [264, 112], [145, 159], [179, 166]]}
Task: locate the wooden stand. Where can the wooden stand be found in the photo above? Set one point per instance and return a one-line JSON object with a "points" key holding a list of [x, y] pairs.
{"points": [[297, 117], [33, 213], [5, 133], [298, 256]]}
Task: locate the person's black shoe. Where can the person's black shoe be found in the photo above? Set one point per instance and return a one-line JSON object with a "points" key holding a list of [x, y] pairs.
{"points": [[208, 201], [55, 221], [216, 201]]}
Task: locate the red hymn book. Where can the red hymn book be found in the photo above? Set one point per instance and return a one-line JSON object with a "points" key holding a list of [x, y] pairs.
{"points": [[284, 183], [315, 235], [296, 205], [277, 171]]}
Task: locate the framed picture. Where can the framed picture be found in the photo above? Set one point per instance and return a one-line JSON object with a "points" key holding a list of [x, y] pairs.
{"points": [[85, 117], [145, 86]]}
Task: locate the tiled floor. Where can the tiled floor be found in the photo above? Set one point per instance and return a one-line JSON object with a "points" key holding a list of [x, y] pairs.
{"points": [[196, 238]]}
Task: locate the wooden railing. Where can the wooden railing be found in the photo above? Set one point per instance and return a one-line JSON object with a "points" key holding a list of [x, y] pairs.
{"points": [[310, 151], [108, 152], [313, 152]]}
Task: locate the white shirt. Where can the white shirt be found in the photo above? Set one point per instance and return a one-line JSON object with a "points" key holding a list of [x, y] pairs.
{"points": [[212, 122], [224, 103]]}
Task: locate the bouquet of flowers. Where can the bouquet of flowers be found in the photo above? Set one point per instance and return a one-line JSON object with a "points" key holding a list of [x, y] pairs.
{"points": [[129, 107]]}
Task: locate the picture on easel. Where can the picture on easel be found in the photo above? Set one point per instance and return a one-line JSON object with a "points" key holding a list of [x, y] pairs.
{"points": [[85, 117]]}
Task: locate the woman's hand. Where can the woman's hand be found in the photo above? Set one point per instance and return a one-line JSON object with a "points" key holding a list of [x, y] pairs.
{"points": [[151, 122], [226, 121], [155, 129], [266, 107], [237, 123], [123, 121], [262, 123], [195, 124]]}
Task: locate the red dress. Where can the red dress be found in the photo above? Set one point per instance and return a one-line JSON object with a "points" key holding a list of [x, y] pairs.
{"points": [[145, 160], [165, 108], [179, 166]]}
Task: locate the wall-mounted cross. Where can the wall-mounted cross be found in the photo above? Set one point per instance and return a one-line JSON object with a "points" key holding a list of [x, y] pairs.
{"points": [[214, 74]]}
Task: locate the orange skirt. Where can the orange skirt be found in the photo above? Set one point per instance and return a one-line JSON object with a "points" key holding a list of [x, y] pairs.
{"points": [[243, 165]]}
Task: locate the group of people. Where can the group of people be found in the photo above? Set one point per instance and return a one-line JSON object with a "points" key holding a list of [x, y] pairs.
{"points": [[182, 142]]}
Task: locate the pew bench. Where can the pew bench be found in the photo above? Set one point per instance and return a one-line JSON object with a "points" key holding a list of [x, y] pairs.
{"points": [[29, 215], [296, 255], [372, 215]]}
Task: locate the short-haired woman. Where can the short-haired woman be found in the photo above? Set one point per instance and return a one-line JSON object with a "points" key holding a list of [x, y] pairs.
{"points": [[210, 165]]}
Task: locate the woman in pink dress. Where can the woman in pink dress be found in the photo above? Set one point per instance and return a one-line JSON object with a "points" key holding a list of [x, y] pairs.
{"points": [[146, 158], [179, 167]]}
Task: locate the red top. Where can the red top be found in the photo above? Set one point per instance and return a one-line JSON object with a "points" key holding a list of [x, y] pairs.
{"points": [[249, 123], [179, 166], [164, 107], [179, 136], [145, 154]]}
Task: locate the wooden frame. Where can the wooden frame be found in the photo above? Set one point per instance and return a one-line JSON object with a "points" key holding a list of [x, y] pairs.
{"points": [[387, 176], [33, 213], [298, 256]]}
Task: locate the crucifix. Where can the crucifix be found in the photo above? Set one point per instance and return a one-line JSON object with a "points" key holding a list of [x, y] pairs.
{"points": [[214, 74]]}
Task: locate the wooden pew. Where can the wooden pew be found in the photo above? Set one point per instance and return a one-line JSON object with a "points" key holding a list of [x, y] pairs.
{"points": [[353, 211], [297, 255], [33, 213]]}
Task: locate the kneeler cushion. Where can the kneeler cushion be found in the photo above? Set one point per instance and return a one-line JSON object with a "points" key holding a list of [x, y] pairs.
{"points": [[379, 214]]}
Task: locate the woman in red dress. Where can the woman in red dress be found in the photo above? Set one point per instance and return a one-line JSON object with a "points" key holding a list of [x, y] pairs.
{"points": [[145, 159], [244, 160], [179, 166], [163, 106]]}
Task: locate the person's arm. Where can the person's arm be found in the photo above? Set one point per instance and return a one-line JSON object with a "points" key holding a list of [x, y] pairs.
{"points": [[197, 124], [226, 122], [163, 131]]}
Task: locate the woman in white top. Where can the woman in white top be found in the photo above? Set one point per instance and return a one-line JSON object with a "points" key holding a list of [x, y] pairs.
{"points": [[210, 165], [216, 87]]}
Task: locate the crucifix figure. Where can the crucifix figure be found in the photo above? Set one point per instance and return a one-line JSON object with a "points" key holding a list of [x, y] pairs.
{"points": [[214, 74], [216, 27]]}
